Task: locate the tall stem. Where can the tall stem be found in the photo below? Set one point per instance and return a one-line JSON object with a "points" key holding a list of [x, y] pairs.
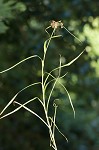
{"points": [[43, 96]]}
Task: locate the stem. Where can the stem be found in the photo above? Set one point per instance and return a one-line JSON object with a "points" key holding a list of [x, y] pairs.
{"points": [[43, 96]]}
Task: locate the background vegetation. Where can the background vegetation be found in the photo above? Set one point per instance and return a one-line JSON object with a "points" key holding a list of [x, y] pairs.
{"points": [[22, 33]]}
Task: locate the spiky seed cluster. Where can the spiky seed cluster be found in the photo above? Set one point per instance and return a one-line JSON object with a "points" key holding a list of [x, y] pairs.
{"points": [[56, 24]]}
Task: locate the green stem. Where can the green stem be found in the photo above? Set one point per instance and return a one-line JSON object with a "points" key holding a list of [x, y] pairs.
{"points": [[43, 96]]}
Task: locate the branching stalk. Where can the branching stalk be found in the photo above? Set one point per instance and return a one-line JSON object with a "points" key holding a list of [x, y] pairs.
{"points": [[50, 122]]}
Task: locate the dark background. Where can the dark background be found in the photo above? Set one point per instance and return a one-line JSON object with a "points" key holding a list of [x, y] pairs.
{"points": [[22, 33]]}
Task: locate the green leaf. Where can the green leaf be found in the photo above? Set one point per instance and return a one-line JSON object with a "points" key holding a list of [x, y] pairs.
{"points": [[5, 13]]}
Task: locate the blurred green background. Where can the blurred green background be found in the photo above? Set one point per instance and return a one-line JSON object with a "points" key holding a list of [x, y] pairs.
{"points": [[22, 33]]}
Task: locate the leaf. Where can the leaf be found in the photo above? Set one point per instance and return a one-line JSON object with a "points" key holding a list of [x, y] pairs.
{"points": [[20, 63], [32, 113], [3, 27], [11, 101], [65, 91], [5, 13], [15, 110]]}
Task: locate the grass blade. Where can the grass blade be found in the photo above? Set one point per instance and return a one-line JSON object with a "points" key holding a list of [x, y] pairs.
{"points": [[15, 110], [20, 63], [65, 65], [72, 34], [59, 130], [32, 112], [11, 101], [66, 92]]}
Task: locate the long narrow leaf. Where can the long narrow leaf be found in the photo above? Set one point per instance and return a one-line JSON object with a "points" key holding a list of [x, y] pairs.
{"points": [[47, 42], [66, 92], [72, 34], [51, 93], [15, 110], [65, 65], [71, 62], [11, 101], [20, 63], [54, 79], [59, 130], [32, 112]]}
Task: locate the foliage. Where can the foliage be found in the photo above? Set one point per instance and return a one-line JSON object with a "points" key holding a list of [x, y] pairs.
{"points": [[5, 14]]}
